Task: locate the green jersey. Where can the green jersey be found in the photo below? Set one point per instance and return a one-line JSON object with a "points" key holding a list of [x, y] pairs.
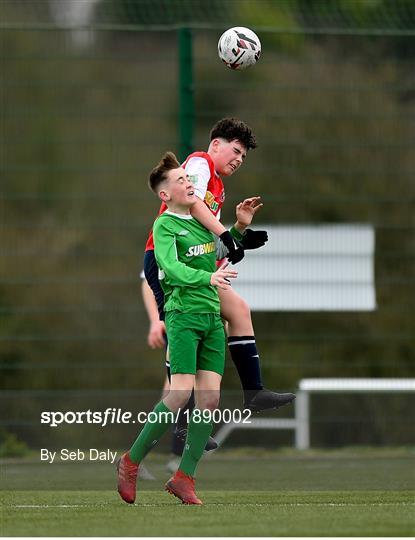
{"points": [[186, 256]]}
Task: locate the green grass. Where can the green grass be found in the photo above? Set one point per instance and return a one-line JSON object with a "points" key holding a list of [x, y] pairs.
{"points": [[229, 513], [343, 493]]}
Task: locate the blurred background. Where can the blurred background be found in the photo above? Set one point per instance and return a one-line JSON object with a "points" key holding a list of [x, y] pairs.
{"points": [[94, 91]]}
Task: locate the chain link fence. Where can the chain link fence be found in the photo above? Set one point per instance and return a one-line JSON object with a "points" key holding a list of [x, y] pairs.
{"points": [[89, 104]]}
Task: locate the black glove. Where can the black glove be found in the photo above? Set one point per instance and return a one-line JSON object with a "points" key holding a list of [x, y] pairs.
{"points": [[236, 251], [254, 239]]}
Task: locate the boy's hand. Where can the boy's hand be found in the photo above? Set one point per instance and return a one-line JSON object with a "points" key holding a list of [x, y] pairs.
{"points": [[254, 239], [245, 212], [235, 250], [221, 277], [155, 337]]}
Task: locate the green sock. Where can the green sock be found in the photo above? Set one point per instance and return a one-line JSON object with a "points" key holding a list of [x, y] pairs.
{"points": [[151, 433], [197, 436]]}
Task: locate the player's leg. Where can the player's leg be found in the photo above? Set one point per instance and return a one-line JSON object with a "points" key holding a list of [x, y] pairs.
{"points": [[182, 484], [178, 436], [180, 431], [183, 345], [159, 421], [210, 366], [207, 386], [211, 362], [244, 353], [176, 444]]}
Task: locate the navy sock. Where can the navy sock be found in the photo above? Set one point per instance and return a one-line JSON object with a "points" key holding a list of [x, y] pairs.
{"points": [[246, 359]]}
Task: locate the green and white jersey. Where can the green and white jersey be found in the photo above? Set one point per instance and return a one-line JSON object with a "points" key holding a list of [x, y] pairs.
{"points": [[186, 257]]}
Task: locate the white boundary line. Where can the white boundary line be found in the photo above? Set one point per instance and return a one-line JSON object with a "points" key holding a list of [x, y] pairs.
{"points": [[328, 504]]}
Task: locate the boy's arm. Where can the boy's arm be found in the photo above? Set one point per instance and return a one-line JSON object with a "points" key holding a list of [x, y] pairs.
{"points": [[198, 170], [204, 216], [166, 256], [155, 336]]}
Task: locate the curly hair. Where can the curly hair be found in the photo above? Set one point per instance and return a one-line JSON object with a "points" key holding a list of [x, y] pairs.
{"points": [[231, 129]]}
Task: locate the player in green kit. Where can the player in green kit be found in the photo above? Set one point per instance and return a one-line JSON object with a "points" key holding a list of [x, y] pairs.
{"points": [[185, 252]]}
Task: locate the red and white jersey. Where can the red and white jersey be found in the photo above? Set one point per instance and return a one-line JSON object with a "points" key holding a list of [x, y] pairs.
{"points": [[208, 186]]}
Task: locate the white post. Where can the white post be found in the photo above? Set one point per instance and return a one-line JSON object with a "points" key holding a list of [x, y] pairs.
{"points": [[302, 414], [223, 432]]}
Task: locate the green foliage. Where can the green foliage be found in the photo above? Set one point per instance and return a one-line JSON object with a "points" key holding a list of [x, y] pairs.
{"points": [[161, 12], [277, 16], [11, 446]]}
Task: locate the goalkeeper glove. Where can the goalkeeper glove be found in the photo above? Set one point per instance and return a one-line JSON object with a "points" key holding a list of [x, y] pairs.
{"points": [[254, 239], [235, 249]]}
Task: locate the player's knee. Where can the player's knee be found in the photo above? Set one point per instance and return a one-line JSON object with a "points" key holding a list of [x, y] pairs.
{"points": [[239, 310], [244, 308], [178, 399], [184, 397], [212, 405], [209, 402]]}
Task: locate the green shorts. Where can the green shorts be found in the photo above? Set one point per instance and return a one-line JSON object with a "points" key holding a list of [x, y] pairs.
{"points": [[196, 341]]}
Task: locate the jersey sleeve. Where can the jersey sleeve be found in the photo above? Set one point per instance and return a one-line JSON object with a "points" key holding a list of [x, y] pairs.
{"points": [[220, 248], [166, 256], [198, 170]]}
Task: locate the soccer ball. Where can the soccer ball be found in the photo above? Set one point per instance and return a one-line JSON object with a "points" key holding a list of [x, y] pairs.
{"points": [[239, 48]]}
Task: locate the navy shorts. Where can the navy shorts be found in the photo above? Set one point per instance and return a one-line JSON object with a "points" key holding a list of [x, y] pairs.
{"points": [[151, 273]]}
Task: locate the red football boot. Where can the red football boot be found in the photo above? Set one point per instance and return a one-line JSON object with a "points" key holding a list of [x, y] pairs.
{"points": [[127, 478], [182, 486]]}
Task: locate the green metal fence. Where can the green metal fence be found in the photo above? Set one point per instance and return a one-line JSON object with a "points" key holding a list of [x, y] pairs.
{"points": [[89, 103]]}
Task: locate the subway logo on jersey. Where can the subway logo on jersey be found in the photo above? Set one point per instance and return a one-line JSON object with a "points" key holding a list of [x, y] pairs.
{"points": [[200, 249]]}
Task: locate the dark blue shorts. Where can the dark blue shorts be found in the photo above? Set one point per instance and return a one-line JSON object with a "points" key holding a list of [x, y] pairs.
{"points": [[151, 273]]}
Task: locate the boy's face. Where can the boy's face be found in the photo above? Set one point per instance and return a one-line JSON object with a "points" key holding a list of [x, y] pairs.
{"points": [[178, 189], [228, 156]]}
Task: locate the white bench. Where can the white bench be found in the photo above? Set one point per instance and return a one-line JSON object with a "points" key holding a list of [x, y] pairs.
{"points": [[301, 422]]}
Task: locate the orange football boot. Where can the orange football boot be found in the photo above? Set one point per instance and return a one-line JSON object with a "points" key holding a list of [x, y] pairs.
{"points": [[182, 486], [127, 478]]}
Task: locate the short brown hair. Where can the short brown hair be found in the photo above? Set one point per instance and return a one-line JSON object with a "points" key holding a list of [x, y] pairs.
{"points": [[231, 129], [159, 174]]}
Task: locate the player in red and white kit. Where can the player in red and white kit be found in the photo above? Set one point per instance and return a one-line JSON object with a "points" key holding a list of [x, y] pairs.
{"points": [[230, 140]]}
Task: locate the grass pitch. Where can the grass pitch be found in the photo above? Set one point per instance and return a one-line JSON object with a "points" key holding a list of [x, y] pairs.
{"points": [[343, 493]]}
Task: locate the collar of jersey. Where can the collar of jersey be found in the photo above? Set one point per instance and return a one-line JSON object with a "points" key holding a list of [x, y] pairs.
{"points": [[181, 216]]}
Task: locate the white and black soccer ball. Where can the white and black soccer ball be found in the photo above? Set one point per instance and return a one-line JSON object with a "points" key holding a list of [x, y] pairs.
{"points": [[239, 48]]}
